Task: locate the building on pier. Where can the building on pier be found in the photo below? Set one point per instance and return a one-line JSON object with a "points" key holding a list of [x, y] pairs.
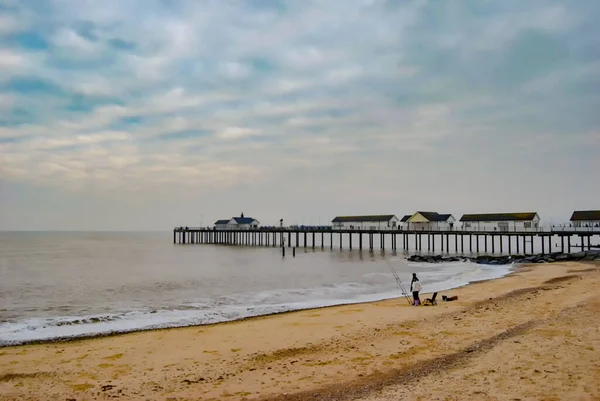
{"points": [[501, 222], [374, 222], [222, 225], [430, 221], [586, 219], [404, 222], [238, 223]]}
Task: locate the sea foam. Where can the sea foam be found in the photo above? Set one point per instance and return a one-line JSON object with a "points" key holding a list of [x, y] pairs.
{"points": [[439, 277]]}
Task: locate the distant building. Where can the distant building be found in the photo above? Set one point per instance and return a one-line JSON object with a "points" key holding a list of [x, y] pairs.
{"points": [[430, 221], [375, 222], [237, 223], [245, 223], [502, 222], [222, 225], [586, 219], [404, 222]]}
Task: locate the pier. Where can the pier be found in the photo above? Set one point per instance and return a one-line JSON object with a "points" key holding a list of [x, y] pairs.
{"points": [[458, 242]]}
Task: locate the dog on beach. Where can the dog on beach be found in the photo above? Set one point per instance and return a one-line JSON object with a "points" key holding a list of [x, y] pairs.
{"points": [[448, 299], [431, 301]]}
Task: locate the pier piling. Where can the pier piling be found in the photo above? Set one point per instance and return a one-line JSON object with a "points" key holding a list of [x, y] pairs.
{"points": [[278, 237]]}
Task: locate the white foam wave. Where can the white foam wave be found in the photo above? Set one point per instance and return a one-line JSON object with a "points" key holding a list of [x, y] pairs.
{"points": [[437, 277]]}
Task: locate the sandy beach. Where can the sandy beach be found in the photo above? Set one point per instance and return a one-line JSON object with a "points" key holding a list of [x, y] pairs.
{"points": [[534, 335]]}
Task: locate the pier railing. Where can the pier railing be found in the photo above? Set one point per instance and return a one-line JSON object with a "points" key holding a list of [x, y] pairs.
{"points": [[584, 229], [541, 230]]}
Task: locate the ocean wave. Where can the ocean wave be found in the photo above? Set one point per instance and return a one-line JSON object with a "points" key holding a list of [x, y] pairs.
{"points": [[241, 306]]}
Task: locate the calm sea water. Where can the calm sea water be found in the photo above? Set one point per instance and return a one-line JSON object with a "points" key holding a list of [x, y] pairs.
{"points": [[57, 285]]}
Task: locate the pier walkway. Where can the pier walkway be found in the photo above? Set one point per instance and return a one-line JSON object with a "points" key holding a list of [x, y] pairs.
{"points": [[449, 241]]}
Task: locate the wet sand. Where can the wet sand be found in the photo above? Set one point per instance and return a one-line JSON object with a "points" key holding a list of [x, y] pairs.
{"points": [[532, 335]]}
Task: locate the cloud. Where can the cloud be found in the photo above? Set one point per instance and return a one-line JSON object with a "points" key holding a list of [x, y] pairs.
{"points": [[8, 24], [7, 101], [73, 42], [154, 96], [235, 70], [10, 60], [232, 133], [309, 57]]}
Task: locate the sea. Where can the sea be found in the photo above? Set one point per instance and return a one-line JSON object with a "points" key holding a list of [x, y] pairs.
{"points": [[61, 285]]}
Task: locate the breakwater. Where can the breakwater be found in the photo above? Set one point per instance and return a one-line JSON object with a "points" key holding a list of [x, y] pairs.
{"points": [[585, 256]]}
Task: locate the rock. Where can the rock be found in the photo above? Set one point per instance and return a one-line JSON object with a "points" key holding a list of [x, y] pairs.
{"points": [[503, 259]]}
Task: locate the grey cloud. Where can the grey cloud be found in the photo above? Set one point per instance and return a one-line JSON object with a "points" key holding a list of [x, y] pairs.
{"points": [[373, 105]]}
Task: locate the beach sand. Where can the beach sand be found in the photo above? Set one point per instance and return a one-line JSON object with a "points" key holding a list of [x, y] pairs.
{"points": [[534, 335]]}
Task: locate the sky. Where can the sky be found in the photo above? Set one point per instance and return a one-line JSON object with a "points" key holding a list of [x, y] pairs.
{"points": [[150, 114]]}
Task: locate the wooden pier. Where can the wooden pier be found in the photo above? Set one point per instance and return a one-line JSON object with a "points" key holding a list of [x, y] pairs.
{"points": [[459, 242]]}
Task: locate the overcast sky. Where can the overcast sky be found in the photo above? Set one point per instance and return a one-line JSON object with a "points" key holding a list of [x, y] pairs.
{"points": [[146, 114]]}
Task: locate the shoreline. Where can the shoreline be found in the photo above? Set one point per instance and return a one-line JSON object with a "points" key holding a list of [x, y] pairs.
{"points": [[502, 339], [82, 337]]}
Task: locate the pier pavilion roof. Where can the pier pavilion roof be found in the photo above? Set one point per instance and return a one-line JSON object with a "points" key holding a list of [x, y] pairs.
{"points": [[434, 216], [243, 220], [352, 219], [523, 216], [585, 215]]}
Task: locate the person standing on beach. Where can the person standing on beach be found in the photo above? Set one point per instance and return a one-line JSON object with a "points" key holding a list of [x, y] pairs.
{"points": [[415, 287]]}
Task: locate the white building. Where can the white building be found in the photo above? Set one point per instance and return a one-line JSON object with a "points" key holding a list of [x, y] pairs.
{"points": [[238, 223], [586, 219], [404, 222], [501, 222], [222, 224], [430, 221], [376, 222]]}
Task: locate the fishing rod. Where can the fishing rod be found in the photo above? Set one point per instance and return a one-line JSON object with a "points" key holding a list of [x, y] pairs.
{"points": [[399, 283]]}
